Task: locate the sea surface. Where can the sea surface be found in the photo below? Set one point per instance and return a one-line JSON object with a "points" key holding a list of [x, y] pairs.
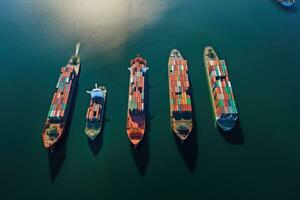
{"points": [[258, 39]]}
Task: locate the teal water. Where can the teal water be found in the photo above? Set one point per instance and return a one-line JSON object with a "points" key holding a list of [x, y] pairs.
{"points": [[260, 42]]}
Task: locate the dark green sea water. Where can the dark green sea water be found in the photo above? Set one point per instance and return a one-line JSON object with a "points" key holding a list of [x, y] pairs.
{"points": [[259, 40]]}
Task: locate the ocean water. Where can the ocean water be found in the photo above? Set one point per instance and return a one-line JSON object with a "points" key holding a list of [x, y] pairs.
{"points": [[258, 39]]}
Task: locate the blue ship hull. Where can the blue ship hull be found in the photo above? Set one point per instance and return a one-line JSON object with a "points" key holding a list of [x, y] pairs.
{"points": [[286, 3], [227, 122]]}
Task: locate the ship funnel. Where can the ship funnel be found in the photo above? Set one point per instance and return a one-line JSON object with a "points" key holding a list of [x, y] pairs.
{"points": [[77, 48], [96, 86]]}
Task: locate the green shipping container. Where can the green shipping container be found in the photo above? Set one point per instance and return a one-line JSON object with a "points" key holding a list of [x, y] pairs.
{"points": [[188, 101]]}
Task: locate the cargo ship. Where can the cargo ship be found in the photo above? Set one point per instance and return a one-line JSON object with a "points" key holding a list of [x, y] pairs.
{"points": [[95, 111], [287, 3], [57, 117], [180, 96], [136, 111], [223, 103]]}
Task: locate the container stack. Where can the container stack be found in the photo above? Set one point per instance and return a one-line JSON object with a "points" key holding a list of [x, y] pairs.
{"points": [[180, 100], [221, 88], [136, 88], [61, 96], [93, 112]]}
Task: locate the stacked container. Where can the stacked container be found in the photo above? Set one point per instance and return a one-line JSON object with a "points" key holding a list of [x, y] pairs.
{"points": [[180, 99], [61, 96], [136, 87], [93, 112], [221, 88]]}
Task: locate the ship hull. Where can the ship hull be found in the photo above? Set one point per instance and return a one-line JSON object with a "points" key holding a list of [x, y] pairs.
{"points": [[61, 125], [93, 133], [225, 121], [135, 133], [51, 139], [179, 96], [135, 127], [182, 133], [286, 3], [51, 146]]}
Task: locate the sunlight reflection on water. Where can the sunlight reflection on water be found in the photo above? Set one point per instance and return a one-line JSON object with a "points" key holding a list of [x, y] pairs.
{"points": [[105, 24]]}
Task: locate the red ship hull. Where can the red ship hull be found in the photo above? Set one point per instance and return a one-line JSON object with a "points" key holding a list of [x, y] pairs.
{"points": [[136, 114]]}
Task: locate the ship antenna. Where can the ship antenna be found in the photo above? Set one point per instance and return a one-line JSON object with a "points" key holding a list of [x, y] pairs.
{"points": [[96, 85], [77, 48]]}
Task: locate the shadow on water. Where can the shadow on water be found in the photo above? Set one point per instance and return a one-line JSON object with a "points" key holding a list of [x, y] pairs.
{"points": [[292, 9], [57, 157], [234, 136], [96, 144], [189, 148], [142, 153]]}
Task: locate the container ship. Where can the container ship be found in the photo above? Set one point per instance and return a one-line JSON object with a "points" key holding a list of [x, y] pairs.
{"points": [[57, 117], [287, 3], [95, 111], [224, 107], [136, 112], [180, 96]]}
